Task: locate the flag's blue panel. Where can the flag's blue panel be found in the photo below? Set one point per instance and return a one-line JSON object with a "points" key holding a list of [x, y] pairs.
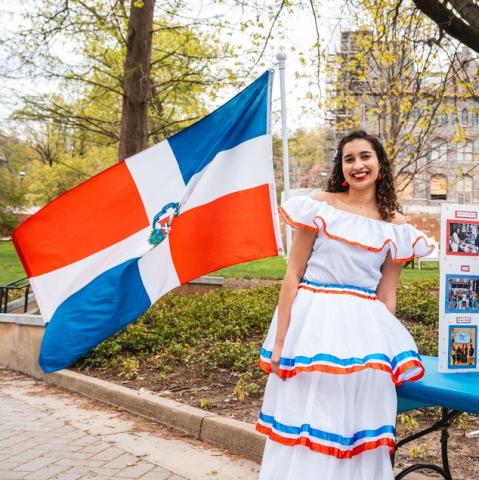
{"points": [[244, 117], [94, 313]]}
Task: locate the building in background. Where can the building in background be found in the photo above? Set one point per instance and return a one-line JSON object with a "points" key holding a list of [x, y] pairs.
{"points": [[433, 128]]}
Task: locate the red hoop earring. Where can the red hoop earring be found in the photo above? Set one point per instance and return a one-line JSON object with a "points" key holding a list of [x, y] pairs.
{"points": [[345, 184], [379, 178]]}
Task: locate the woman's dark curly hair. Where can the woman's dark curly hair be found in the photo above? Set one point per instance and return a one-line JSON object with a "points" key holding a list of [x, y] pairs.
{"points": [[385, 190]]}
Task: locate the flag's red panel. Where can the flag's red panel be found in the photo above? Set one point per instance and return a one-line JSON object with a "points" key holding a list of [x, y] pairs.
{"points": [[95, 215], [232, 229]]}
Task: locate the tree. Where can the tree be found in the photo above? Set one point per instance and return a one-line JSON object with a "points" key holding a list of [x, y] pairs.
{"points": [[14, 161], [309, 158], [99, 79], [458, 18]]}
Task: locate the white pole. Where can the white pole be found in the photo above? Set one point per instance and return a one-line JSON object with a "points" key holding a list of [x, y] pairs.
{"points": [[281, 57]]}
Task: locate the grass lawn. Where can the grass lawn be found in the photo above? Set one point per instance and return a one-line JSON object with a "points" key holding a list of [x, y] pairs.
{"points": [[267, 268], [10, 267], [418, 275], [274, 268]]}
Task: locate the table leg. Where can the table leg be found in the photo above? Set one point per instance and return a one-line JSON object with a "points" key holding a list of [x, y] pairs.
{"points": [[447, 417]]}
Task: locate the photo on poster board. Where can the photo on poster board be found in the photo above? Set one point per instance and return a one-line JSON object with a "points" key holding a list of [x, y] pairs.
{"points": [[462, 237], [462, 346], [462, 293]]}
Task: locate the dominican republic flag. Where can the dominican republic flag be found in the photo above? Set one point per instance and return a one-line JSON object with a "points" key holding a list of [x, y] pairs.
{"points": [[100, 254]]}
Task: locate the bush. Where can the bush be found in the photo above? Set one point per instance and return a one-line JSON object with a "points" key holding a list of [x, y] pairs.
{"points": [[418, 301], [218, 329], [224, 329]]}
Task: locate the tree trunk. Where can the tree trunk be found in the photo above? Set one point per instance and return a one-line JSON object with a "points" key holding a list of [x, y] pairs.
{"points": [[136, 79]]}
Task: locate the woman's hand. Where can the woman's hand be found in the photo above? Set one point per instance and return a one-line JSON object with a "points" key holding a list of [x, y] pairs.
{"points": [[275, 358]]}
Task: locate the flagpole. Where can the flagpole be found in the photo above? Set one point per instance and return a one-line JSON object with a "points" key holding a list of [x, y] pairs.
{"points": [[281, 57]]}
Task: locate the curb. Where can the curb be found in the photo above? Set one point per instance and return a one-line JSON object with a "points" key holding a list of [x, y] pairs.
{"points": [[234, 435]]}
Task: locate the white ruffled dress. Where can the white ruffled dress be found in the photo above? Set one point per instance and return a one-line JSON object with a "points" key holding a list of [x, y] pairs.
{"points": [[332, 415]]}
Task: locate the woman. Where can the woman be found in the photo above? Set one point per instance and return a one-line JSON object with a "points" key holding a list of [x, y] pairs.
{"points": [[334, 351], [455, 241]]}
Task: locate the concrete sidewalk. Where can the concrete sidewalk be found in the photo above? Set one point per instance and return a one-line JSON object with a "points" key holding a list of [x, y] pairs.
{"points": [[47, 433]]}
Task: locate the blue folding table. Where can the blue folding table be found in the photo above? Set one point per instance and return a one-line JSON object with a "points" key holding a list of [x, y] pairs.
{"points": [[455, 393]]}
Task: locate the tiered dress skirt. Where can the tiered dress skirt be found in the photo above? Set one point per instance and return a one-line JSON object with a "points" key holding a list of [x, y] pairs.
{"points": [[331, 415]]}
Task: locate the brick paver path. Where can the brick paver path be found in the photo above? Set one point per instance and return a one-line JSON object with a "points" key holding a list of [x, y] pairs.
{"points": [[47, 433]]}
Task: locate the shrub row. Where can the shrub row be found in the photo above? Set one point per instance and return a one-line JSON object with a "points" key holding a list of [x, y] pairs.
{"points": [[224, 329]]}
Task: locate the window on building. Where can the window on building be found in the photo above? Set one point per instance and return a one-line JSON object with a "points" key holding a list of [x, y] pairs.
{"points": [[464, 189], [364, 113], [444, 119], [405, 185], [465, 117], [464, 152], [416, 113], [475, 117], [438, 187], [439, 150]]}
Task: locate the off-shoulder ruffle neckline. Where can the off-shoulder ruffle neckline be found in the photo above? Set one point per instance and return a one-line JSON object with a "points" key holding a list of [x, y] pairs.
{"points": [[332, 207], [372, 234]]}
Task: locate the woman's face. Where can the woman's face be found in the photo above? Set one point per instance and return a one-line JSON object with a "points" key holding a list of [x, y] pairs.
{"points": [[360, 164]]}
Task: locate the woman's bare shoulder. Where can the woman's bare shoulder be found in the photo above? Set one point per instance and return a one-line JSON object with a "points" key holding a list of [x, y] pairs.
{"points": [[322, 196], [398, 219]]}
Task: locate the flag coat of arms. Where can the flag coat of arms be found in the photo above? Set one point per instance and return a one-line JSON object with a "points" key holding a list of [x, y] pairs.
{"points": [[102, 253]]}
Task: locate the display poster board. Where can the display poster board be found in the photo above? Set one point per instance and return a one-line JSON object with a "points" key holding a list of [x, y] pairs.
{"points": [[459, 288]]}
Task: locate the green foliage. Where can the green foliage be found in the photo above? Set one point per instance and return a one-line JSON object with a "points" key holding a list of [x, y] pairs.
{"points": [[417, 301], [13, 186], [130, 368], [89, 107], [219, 329], [408, 420], [247, 386], [464, 422], [426, 338], [47, 183]]}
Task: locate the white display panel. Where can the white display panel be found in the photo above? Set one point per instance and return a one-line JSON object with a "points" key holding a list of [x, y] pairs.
{"points": [[459, 288]]}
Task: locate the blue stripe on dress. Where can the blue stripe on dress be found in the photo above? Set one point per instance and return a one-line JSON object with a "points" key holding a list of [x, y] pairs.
{"points": [[338, 286], [343, 362], [321, 434]]}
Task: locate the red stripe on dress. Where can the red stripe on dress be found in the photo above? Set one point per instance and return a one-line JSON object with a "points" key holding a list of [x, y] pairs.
{"points": [[291, 222], [406, 366], [283, 373], [327, 449], [232, 229], [96, 214], [338, 292]]}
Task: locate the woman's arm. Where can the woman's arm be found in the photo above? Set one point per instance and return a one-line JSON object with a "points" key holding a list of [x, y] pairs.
{"points": [[386, 290], [301, 248]]}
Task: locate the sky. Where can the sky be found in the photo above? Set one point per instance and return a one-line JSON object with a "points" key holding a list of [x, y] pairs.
{"points": [[297, 34]]}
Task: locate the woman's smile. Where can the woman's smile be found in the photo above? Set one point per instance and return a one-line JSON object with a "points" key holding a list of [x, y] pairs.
{"points": [[359, 176]]}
